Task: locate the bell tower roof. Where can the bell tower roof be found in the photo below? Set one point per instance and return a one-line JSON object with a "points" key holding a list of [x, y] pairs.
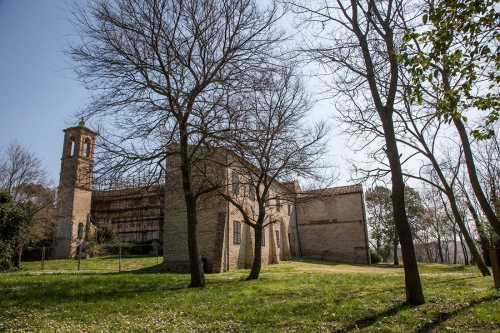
{"points": [[81, 128]]}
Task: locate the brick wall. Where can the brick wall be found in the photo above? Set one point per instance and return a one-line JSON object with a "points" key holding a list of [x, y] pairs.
{"points": [[333, 227]]}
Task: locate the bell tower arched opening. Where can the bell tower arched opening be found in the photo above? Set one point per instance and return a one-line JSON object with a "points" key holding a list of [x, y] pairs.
{"points": [[86, 147], [73, 146]]}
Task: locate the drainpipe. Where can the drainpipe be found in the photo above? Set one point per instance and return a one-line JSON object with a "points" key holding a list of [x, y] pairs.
{"points": [[366, 227], [227, 224], [297, 227]]}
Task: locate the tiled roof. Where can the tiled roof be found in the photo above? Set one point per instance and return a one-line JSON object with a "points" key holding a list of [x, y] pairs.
{"points": [[341, 189]]}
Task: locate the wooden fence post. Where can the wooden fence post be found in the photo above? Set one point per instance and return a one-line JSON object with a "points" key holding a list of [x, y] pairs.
{"points": [[79, 255], [43, 258], [119, 257]]}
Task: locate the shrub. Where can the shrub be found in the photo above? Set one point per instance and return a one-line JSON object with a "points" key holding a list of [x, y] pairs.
{"points": [[375, 257]]}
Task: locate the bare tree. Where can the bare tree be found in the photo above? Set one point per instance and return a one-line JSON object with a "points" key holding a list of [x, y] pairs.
{"points": [[356, 42], [443, 176], [457, 64], [271, 144], [422, 130], [160, 70], [27, 182], [380, 219], [487, 153], [439, 228], [423, 134], [20, 168]]}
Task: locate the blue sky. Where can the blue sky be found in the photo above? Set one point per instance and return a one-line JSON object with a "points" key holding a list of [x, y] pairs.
{"points": [[37, 95]]}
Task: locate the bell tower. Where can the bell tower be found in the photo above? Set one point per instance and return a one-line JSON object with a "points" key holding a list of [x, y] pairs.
{"points": [[75, 190]]}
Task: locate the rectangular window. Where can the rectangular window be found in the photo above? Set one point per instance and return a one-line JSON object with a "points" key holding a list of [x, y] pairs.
{"points": [[278, 204], [251, 193], [237, 232], [267, 199], [278, 238], [236, 182], [289, 209], [263, 237]]}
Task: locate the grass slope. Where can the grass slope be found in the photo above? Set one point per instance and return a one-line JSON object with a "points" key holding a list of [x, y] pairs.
{"points": [[294, 296]]}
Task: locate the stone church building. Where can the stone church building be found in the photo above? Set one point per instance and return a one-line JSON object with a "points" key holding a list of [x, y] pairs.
{"points": [[330, 224]]}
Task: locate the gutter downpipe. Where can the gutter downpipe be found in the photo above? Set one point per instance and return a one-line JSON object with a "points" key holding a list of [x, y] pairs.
{"points": [[227, 209], [297, 226], [366, 227]]}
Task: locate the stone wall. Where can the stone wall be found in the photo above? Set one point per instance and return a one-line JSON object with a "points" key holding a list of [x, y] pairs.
{"points": [[216, 222], [332, 226], [211, 233], [242, 255]]}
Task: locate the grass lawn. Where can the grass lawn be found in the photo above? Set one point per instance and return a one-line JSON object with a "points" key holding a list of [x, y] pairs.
{"points": [[295, 296]]}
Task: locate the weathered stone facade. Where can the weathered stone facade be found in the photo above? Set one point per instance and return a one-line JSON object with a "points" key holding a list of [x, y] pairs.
{"points": [[75, 190], [329, 224], [225, 241], [332, 225]]}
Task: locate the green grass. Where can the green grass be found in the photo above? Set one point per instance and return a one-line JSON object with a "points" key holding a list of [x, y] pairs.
{"points": [[311, 296]]}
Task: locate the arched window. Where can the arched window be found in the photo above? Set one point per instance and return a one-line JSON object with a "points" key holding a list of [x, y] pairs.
{"points": [[86, 147], [73, 146]]}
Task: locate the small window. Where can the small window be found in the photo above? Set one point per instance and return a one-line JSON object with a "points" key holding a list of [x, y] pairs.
{"points": [[251, 193], [80, 230], [236, 182], [267, 200], [237, 232], [263, 243], [278, 204], [289, 209], [277, 238]]}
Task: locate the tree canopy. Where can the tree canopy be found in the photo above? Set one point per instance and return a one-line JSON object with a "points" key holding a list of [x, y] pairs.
{"points": [[456, 51]]}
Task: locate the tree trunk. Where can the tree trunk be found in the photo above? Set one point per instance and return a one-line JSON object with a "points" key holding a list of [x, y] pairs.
{"points": [[395, 248], [257, 259], [471, 169], [455, 246], [384, 255], [464, 249], [16, 257], [440, 249], [414, 292], [483, 239], [456, 214], [428, 253], [195, 265], [468, 239]]}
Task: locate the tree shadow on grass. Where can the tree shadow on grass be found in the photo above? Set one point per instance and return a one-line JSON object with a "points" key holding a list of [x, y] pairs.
{"points": [[442, 316], [372, 319], [386, 265], [150, 269], [438, 318], [335, 263], [447, 280]]}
